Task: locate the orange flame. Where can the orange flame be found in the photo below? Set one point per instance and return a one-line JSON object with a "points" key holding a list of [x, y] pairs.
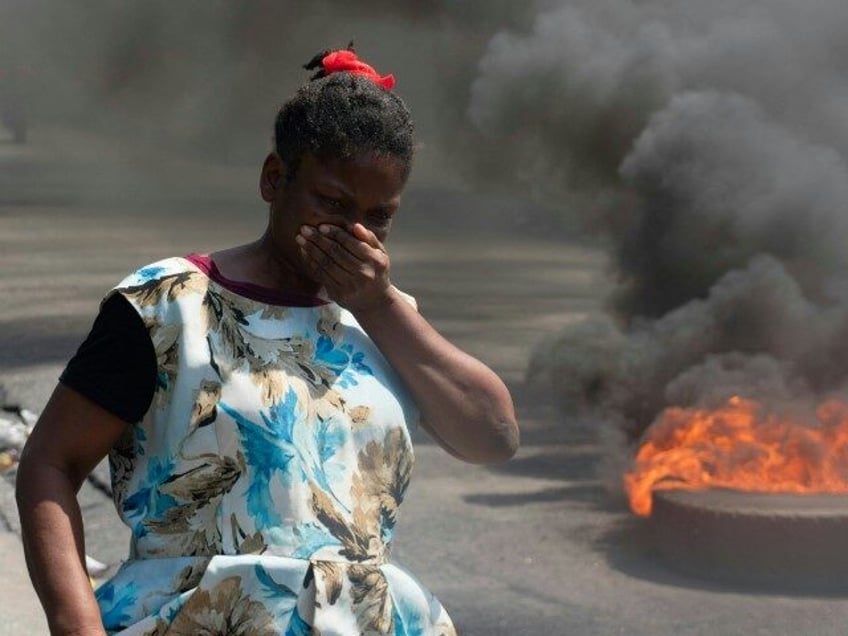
{"points": [[738, 447]]}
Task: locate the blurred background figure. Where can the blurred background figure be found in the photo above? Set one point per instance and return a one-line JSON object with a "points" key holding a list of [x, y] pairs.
{"points": [[15, 74], [13, 102]]}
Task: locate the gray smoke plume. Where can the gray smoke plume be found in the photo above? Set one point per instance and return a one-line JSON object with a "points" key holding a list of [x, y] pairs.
{"points": [[707, 141]]}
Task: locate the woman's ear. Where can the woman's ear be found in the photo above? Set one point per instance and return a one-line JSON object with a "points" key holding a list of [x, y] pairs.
{"points": [[272, 177]]}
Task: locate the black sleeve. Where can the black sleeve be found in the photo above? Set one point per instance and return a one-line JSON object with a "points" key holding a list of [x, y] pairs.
{"points": [[115, 366]]}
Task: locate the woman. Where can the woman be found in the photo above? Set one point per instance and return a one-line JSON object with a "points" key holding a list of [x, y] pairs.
{"points": [[254, 404]]}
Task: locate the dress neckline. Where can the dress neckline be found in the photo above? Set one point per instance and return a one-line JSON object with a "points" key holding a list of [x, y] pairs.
{"points": [[267, 295]]}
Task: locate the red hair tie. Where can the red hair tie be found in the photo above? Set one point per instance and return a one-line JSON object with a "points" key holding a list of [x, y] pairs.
{"points": [[345, 61]]}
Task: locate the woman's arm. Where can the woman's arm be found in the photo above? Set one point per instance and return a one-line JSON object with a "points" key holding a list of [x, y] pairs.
{"points": [[463, 404], [72, 435]]}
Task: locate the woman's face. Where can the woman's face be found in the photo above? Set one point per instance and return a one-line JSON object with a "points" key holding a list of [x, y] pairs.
{"points": [[364, 188]]}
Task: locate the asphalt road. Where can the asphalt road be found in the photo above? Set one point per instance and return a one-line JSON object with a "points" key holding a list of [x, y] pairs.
{"points": [[535, 546]]}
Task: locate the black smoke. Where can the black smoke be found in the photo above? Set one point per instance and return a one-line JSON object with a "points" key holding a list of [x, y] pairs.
{"points": [[707, 142]]}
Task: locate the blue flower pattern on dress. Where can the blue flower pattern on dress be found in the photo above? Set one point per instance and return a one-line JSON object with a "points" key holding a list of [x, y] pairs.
{"points": [[148, 502], [264, 481], [342, 360], [116, 610], [147, 274], [269, 450]]}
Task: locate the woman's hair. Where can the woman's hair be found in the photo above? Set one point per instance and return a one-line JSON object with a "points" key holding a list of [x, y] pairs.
{"points": [[340, 115]]}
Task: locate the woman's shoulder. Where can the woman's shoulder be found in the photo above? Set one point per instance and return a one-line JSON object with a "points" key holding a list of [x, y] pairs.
{"points": [[158, 271], [165, 280]]}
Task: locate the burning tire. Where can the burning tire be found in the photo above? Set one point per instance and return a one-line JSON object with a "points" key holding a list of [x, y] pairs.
{"points": [[779, 541]]}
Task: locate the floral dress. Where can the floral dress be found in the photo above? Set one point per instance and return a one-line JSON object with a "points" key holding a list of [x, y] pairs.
{"points": [[262, 486]]}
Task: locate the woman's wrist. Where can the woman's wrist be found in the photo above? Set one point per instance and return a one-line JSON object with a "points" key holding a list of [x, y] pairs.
{"points": [[376, 306]]}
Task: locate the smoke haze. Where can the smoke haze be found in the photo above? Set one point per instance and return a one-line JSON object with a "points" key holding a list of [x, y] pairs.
{"points": [[208, 77], [707, 141]]}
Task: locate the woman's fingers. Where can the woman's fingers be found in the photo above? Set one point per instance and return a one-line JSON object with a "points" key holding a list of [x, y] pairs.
{"points": [[352, 270], [363, 250], [345, 250], [366, 236], [325, 270], [319, 261], [329, 252]]}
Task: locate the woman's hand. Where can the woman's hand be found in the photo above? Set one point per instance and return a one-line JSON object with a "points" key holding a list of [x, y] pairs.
{"points": [[352, 266], [463, 404]]}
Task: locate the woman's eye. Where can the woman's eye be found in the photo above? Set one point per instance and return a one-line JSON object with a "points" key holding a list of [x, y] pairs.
{"points": [[330, 203], [381, 219]]}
